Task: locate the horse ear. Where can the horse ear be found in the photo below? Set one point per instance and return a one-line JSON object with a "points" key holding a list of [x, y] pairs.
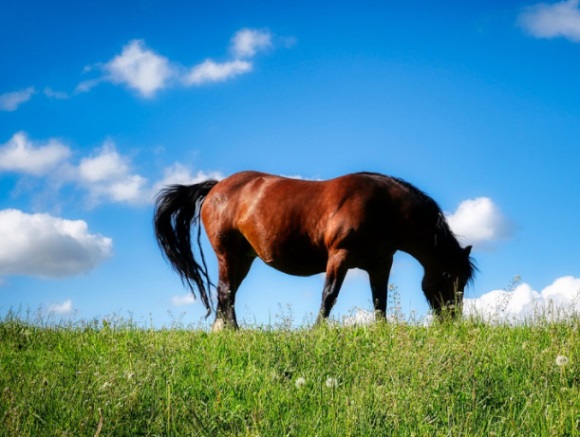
{"points": [[467, 250]]}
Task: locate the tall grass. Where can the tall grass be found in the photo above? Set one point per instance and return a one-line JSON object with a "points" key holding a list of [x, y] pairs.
{"points": [[463, 378]]}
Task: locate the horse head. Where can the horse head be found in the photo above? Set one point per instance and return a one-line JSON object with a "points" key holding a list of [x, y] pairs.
{"points": [[445, 281]]}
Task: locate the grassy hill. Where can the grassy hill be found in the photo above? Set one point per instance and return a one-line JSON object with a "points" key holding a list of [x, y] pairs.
{"points": [[400, 379]]}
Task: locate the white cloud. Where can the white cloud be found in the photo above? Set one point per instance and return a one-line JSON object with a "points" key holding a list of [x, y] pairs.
{"points": [[210, 71], [130, 189], [106, 165], [558, 301], [180, 174], [20, 154], [247, 42], [87, 85], [362, 317], [182, 300], [107, 175], [11, 101], [552, 20], [147, 72], [359, 317], [52, 94], [47, 246], [479, 222], [140, 68], [63, 308]]}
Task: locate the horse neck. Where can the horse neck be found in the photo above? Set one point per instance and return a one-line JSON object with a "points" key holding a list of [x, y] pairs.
{"points": [[427, 254], [431, 249]]}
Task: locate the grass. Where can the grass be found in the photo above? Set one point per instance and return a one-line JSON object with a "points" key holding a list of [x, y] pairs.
{"points": [[463, 378]]}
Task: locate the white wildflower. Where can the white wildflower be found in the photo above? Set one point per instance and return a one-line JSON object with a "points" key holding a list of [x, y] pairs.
{"points": [[561, 360], [331, 382], [300, 382]]}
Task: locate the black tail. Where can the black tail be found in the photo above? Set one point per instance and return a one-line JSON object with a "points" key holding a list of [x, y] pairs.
{"points": [[177, 207]]}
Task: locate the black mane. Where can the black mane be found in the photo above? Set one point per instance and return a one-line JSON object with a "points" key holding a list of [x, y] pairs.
{"points": [[418, 195]]}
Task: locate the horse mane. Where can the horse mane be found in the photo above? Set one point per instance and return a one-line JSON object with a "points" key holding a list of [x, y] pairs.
{"points": [[444, 239], [420, 198]]}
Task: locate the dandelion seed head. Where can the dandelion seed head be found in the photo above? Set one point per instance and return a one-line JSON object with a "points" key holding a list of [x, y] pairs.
{"points": [[300, 382], [561, 360], [331, 382]]}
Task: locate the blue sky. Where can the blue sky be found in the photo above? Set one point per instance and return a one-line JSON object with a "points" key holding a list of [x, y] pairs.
{"points": [[102, 103]]}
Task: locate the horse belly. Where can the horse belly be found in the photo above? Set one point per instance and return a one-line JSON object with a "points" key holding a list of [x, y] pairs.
{"points": [[294, 257], [297, 263]]}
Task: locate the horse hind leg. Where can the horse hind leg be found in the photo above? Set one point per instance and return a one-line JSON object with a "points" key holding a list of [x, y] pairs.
{"points": [[232, 272]]}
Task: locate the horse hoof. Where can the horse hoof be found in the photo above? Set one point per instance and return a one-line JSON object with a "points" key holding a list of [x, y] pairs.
{"points": [[218, 325]]}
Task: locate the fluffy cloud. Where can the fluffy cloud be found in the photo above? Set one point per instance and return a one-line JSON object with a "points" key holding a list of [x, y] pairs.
{"points": [[140, 68], [179, 174], [558, 301], [62, 308], [182, 300], [107, 176], [52, 94], [560, 19], [107, 164], [210, 71], [359, 317], [147, 72], [246, 43], [143, 70], [479, 222], [362, 317], [11, 101], [20, 154], [47, 246]]}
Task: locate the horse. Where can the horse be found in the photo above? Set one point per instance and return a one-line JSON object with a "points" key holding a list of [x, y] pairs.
{"points": [[304, 227]]}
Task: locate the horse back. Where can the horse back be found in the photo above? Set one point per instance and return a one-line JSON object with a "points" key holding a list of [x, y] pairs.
{"points": [[293, 224]]}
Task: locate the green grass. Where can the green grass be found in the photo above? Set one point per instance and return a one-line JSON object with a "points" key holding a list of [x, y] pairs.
{"points": [[400, 379]]}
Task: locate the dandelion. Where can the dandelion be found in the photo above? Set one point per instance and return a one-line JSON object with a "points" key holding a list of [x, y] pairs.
{"points": [[300, 382], [331, 382], [561, 360]]}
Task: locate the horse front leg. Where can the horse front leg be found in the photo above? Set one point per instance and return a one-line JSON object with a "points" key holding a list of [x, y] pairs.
{"points": [[379, 281], [336, 269]]}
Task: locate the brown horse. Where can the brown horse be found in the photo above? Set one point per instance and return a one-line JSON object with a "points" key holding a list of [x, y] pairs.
{"points": [[306, 227]]}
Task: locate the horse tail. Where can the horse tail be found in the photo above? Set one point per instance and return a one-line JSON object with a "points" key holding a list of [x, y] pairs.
{"points": [[178, 207]]}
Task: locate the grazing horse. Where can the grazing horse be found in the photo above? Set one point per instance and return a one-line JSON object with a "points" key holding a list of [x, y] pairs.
{"points": [[307, 227]]}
